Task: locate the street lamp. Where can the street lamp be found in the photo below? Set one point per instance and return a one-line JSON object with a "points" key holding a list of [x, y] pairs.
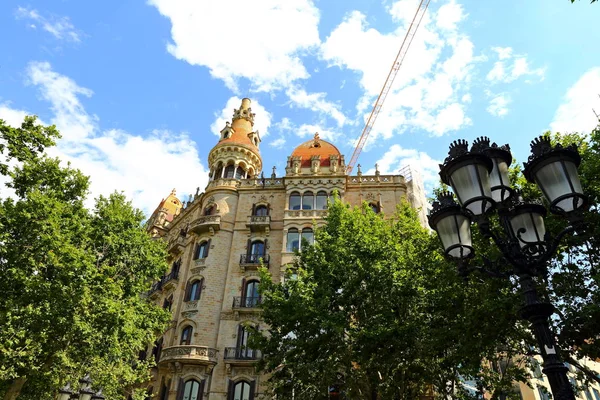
{"points": [[85, 391], [479, 177]]}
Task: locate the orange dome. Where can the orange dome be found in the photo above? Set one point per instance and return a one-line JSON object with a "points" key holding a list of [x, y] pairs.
{"points": [[315, 147]]}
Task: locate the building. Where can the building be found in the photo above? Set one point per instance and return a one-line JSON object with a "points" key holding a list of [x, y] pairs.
{"points": [[217, 239]]}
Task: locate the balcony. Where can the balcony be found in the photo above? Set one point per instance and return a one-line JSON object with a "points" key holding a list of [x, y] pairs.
{"points": [[252, 261], [206, 223], [246, 303], [176, 245], [241, 355], [164, 283], [189, 354], [259, 222], [306, 214]]}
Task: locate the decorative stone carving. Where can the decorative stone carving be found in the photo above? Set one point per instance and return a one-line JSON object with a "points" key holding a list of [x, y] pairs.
{"points": [[188, 314]]}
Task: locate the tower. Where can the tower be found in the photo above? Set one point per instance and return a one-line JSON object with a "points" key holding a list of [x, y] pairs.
{"points": [[236, 155]]}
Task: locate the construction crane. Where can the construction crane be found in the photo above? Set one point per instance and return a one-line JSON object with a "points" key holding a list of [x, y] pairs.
{"points": [[410, 34]]}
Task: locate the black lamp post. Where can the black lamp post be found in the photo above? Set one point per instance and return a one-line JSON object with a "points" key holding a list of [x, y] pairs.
{"points": [[479, 177], [85, 391]]}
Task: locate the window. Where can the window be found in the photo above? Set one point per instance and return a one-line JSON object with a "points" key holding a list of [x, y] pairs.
{"points": [[241, 391], [596, 394], [308, 236], [186, 335], [257, 248], [239, 173], [202, 250], [251, 296], [229, 171], [168, 303], [307, 201], [164, 390], [194, 289], [375, 207], [219, 172], [157, 349], [210, 210], [261, 211], [588, 394], [295, 200], [321, 203], [293, 240], [192, 390]]}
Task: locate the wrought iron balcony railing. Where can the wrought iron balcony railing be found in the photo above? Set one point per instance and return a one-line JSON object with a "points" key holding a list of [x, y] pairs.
{"points": [[242, 353], [254, 259], [246, 302]]}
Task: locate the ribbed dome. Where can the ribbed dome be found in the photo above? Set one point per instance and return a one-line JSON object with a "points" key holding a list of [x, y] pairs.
{"points": [[314, 147]]}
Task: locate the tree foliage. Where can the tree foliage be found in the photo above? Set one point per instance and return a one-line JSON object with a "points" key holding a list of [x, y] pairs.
{"points": [[71, 277], [375, 301]]}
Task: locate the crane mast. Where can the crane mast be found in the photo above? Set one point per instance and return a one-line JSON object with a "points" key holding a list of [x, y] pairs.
{"points": [[410, 34]]}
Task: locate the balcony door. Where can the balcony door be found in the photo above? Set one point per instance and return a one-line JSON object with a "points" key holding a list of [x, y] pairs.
{"points": [[242, 350], [251, 296]]}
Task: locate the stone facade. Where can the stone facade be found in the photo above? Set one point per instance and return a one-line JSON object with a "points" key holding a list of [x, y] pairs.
{"points": [[217, 240]]}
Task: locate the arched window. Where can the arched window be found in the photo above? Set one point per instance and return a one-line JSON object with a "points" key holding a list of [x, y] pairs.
{"points": [[202, 250], [321, 203], [192, 390], [261, 211], [194, 289], [295, 201], [219, 171], [239, 173], [164, 390], [229, 171], [210, 210], [308, 237], [186, 335], [241, 390], [251, 296], [257, 248], [375, 207], [293, 240], [307, 201]]}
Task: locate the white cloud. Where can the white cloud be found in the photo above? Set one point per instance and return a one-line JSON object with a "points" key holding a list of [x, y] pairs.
{"points": [[511, 67], [430, 88], [144, 168], [309, 130], [575, 114], [258, 40], [498, 104], [59, 27], [278, 143], [398, 156], [316, 102], [262, 120]]}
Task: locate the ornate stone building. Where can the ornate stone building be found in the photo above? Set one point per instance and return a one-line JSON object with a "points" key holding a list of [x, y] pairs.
{"points": [[216, 241]]}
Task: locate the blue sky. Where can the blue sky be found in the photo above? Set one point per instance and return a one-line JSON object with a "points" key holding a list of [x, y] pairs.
{"points": [[139, 89]]}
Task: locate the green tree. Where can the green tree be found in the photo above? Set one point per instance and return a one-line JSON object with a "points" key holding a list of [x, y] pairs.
{"points": [[591, 1], [374, 302], [71, 277]]}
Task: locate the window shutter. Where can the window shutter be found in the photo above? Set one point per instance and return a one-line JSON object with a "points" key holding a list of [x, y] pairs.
{"points": [[265, 248], [230, 392], [201, 390], [200, 286], [243, 288], [254, 209], [188, 286], [207, 248], [249, 249], [268, 210], [240, 337], [252, 389], [180, 389]]}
